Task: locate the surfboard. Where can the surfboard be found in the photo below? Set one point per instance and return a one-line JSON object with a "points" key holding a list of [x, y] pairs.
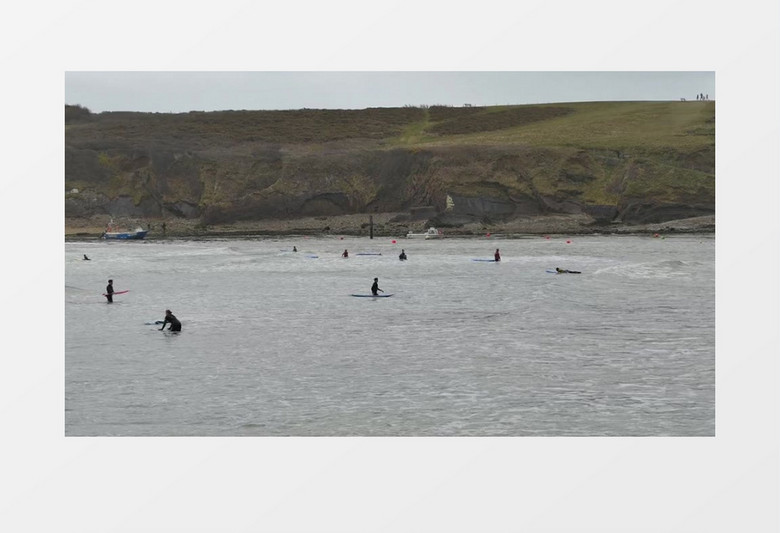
{"points": [[485, 260], [155, 323], [372, 296], [367, 253], [556, 272], [117, 292]]}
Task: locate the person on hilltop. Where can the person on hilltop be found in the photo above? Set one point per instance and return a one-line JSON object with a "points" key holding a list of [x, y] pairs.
{"points": [[110, 291], [402, 256], [497, 256], [375, 290], [175, 325]]}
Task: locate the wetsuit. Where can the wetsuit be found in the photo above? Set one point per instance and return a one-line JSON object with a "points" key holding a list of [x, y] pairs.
{"points": [[110, 293], [402, 257], [375, 288], [174, 322], [497, 257]]}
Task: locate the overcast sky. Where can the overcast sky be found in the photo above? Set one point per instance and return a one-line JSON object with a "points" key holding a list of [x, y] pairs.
{"points": [[210, 91]]}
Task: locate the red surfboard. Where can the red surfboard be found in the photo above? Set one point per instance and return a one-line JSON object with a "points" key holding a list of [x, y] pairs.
{"points": [[118, 292]]}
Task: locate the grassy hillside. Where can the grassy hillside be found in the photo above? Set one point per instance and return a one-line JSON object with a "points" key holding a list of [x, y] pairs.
{"points": [[630, 157]]}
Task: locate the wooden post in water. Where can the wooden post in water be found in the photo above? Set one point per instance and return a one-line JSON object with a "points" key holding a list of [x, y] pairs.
{"points": [[370, 226]]}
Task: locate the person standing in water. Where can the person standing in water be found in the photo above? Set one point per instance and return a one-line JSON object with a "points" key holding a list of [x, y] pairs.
{"points": [[497, 256], [110, 291], [345, 254], [375, 290], [175, 325], [402, 257]]}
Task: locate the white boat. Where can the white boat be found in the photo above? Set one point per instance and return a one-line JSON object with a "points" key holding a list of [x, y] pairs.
{"points": [[432, 233]]}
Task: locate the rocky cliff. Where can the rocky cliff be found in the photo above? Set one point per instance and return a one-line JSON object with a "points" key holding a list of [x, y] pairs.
{"points": [[621, 162]]}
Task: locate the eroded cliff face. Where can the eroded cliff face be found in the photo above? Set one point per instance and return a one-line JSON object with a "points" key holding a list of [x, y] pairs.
{"points": [[494, 183], [247, 179]]}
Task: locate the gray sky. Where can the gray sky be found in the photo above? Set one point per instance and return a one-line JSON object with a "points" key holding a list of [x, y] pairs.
{"points": [[176, 92]]}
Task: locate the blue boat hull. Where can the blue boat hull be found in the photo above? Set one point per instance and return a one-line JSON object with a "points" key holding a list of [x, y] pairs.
{"points": [[130, 235]]}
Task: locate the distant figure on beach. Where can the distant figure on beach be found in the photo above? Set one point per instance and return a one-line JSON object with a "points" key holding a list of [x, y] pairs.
{"points": [[375, 290], [175, 325], [295, 249], [497, 256], [86, 258], [345, 254], [402, 257], [110, 291]]}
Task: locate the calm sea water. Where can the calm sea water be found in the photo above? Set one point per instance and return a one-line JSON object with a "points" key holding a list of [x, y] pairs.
{"points": [[273, 343]]}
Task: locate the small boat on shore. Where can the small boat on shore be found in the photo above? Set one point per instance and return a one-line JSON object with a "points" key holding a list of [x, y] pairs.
{"points": [[432, 233], [137, 234]]}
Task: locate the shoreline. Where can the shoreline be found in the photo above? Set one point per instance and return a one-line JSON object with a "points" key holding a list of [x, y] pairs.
{"points": [[359, 226]]}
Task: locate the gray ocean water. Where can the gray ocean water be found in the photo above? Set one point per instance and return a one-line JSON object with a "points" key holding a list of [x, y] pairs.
{"points": [[274, 345]]}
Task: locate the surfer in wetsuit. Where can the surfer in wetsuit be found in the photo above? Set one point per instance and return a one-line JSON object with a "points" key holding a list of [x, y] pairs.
{"points": [[375, 287], [295, 249], [497, 256], [564, 271], [402, 257], [345, 254], [110, 291], [86, 258], [175, 325]]}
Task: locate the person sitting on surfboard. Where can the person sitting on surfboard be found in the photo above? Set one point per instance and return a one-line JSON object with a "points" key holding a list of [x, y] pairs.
{"points": [[110, 291], [175, 325], [497, 256], [345, 254], [402, 257], [295, 249], [86, 258], [375, 287]]}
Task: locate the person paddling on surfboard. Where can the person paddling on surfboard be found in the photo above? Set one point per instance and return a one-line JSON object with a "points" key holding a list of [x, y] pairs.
{"points": [[175, 325], [497, 256], [110, 291], [375, 287]]}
